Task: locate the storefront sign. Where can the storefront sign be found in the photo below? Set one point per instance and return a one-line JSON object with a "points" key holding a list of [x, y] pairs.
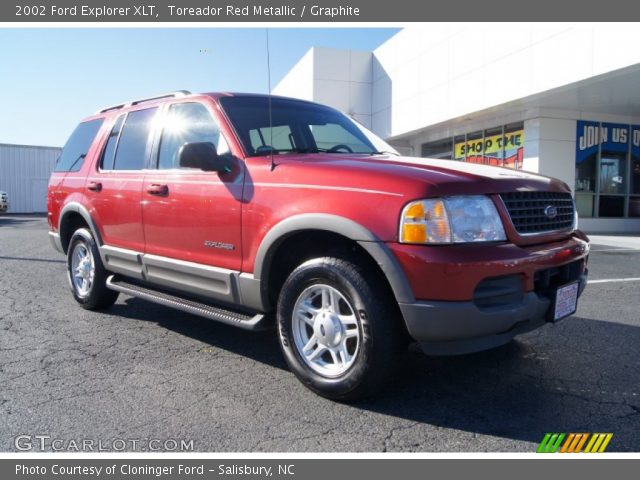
{"points": [[492, 145], [613, 137], [635, 140], [512, 161]]}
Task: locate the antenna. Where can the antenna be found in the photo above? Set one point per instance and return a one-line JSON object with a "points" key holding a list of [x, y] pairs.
{"points": [[273, 165]]}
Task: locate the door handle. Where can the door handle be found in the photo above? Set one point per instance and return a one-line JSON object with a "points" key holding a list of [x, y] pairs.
{"points": [[158, 189], [94, 186]]}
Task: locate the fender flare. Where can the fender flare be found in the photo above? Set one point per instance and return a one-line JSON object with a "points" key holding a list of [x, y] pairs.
{"points": [[345, 227], [75, 207]]}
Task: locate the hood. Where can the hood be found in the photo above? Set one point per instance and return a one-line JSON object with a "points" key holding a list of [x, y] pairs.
{"points": [[432, 177]]}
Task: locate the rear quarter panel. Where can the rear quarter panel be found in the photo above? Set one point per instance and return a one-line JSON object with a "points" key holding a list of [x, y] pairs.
{"points": [[68, 187]]}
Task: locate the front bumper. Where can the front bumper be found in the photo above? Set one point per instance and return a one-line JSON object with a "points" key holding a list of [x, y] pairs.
{"points": [[482, 298], [453, 272], [453, 328]]}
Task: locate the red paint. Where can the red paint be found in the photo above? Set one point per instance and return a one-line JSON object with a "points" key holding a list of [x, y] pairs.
{"points": [[240, 207], [453, 272]]}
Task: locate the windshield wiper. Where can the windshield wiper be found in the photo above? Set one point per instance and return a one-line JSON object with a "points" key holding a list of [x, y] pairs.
{"points": [[283, 151], [384, 152], [305, 150]]}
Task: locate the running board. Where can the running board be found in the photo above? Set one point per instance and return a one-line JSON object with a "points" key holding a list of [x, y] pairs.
{"points": [[219, 314]]}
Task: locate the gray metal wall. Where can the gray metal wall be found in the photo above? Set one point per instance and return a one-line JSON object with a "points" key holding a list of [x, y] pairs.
{"points": [[24, 175]]}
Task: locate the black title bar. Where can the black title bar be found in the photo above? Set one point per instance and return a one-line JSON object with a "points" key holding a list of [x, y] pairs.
{"points": [[225, 11], [315, 469]]}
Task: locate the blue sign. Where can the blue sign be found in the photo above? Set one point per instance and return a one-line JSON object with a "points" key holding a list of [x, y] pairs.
{"points": [[613, 137], [635, 141]]}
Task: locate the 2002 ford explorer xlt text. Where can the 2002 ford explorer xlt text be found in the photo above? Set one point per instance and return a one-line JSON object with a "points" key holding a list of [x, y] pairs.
{"points": [[245, 208]]}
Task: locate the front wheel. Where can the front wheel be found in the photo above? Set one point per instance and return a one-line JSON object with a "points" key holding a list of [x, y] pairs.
{"points": [[338, 328], [87, 276]]}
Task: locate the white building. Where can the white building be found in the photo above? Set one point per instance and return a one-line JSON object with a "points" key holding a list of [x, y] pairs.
{"points": [[557, 99], [24, 175]]}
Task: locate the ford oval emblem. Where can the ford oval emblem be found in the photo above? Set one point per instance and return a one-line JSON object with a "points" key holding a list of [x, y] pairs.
{"points": [[550, 211]]}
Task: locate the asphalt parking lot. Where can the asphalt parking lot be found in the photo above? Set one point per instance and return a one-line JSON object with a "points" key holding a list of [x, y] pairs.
{"points": [[139, 371]]}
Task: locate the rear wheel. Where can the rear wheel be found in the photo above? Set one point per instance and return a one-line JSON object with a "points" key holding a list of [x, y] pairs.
{"points": [[86, 273], [338, 328]]}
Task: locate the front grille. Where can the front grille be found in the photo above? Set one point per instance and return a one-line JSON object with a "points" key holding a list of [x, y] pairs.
{"points": [[550, 279], [527, 211]]}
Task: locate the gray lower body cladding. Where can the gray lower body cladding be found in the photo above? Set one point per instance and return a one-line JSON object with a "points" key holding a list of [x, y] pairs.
{"points": [[452, 328]]}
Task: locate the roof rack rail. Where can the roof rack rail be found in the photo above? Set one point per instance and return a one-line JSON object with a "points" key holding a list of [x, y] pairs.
{"points": [[176, 94]]}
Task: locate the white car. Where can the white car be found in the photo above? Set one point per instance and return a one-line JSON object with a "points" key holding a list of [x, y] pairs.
{"points": [[4, 202]]}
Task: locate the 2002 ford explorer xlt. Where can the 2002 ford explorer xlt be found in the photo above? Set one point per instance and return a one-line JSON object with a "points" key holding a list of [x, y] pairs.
{"points": [[245, 208]]}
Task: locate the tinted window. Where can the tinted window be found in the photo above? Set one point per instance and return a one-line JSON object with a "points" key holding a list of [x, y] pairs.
{"points": [[279, 138], [131, 153], [187, 123], [76, 148], [297, 126], [331, 134], [109, 154]]}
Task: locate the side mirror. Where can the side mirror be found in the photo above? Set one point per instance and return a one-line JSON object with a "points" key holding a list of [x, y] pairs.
{"points": [[202, 155]]}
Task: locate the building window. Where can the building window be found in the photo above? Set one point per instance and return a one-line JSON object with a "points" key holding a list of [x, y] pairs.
{"points": [[473, 148], [493, 147], [458, 152], [500, 146], [441, 149], [607, 169], [634, 199], [514, 145]]}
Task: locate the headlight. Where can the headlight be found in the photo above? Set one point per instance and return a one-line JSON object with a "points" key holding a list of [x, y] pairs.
{"points": [[460, 219]]}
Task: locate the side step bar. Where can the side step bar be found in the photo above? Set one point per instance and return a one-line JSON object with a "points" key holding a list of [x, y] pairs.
{"points": [[219, 314]]}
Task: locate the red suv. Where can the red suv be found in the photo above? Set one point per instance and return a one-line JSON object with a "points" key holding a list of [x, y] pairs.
{"points": [[248, 208]]}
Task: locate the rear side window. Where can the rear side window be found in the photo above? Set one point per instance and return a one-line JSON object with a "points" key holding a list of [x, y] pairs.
{"points": [[132, 147], [77, 147], [109, 154]]}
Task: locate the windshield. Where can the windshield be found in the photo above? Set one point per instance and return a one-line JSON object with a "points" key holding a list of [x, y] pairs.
{"points": [[298, 126]]}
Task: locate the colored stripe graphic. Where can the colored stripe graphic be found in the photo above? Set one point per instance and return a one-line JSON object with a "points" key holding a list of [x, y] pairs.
{"points": [[582, 442], [597, 442], [550, 443], [574, 443], [565, 447]]}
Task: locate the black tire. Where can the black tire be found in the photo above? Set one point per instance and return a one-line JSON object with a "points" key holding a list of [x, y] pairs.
{"points": [[97, 296], [381, 337]]}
